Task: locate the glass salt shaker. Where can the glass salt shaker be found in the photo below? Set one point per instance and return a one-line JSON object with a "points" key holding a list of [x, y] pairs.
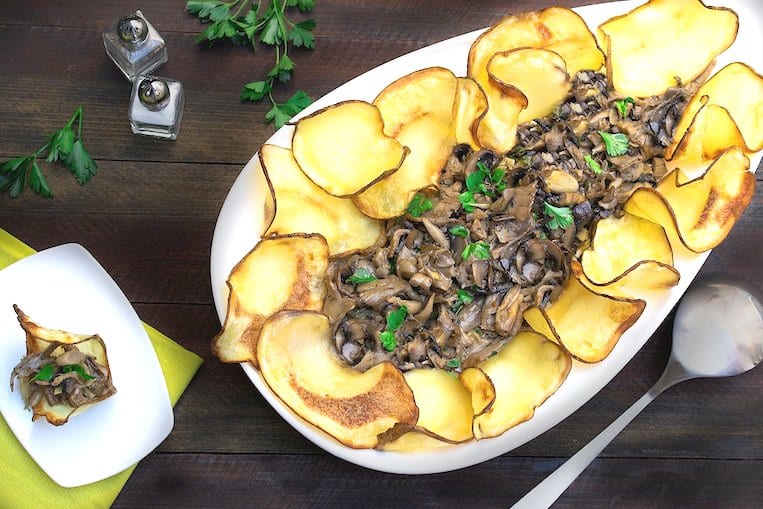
{"points": [[135, 46], [156, 107]]}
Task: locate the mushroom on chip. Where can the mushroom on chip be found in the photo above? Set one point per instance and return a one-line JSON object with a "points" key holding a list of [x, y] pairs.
{"points": [[585, 323], [700, 212], [303, 207], [299, 363], [343, 149], [663, 41], [299, 262]]}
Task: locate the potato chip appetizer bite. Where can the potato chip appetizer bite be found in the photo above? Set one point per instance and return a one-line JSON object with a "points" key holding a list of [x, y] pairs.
{"points": [[62, 374]]}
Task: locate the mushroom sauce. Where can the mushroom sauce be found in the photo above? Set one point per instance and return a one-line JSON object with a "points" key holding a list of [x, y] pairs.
{"points": [[451, 281]]}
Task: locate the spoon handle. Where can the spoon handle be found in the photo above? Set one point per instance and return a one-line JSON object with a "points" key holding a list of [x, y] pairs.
{"points": [[545, 493]]}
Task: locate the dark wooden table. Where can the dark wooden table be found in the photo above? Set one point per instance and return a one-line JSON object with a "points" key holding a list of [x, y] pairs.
{"points": [[148, 217]]}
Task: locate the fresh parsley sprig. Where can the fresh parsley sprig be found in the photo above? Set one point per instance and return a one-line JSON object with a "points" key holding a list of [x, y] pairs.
{"points": [[479, 250], [560, 217], [395, 320], [593, 164], [419, 204], [360, 276], [622, 105], [65, 145], [615, 144], [249, 23]]}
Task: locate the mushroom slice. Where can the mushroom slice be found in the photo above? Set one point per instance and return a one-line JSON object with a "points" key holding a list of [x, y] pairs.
{"points": [[739, 90], [699, 212], [711, 132], [628, 255], [525, 373], [480, 388], [430, 141], [285, 272], [540, 74], [585, 323], [429, 91], [299, 363], [343, 149], [469, 108], [42, 345], [662, 41], [556, 29], [303, 207]]}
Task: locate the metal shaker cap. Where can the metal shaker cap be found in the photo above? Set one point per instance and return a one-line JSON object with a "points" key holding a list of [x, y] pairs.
{"points": [[132, 29], [153, 93]]}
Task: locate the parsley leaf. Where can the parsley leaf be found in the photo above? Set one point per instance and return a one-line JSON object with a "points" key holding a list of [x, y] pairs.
{"points": [[463, 298], [453, 363], [475, 181], [467, 201], [595, 167], [496, 177], [561, 217], [395, 319], [459, 231], [46, 373], [419, 204], [360, 276], [622, 105], [479, 250], [615, 144], [77, 369], [249, 23], [65, 146]]}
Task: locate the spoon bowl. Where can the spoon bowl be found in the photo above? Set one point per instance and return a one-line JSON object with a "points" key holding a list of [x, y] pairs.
{"points": [[717, 332]]}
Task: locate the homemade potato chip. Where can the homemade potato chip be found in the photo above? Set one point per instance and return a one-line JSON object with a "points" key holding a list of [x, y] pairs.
{"points": [[628, 254], [480, 388], [430, 91], [303, 207], [469, 108], [430, 141], [343, 148], [662, 41], [299, 261], [525, 373], [445, 406], [299, 362], [585, 323], [557, 29], [739, 90], [411, 441], [711, 132], [540, 74], [699, 212]]}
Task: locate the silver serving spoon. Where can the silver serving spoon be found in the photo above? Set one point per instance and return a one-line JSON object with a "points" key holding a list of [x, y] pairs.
{"points": [[717, 332]]}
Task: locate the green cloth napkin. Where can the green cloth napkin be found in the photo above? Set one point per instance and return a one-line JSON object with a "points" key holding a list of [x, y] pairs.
{"points": [[22, 482]]}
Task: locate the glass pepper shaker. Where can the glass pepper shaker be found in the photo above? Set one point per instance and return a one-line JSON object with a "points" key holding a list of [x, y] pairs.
{"points": [[135, 46], [156, 107]]}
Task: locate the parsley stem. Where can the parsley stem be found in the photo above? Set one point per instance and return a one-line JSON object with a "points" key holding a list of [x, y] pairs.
{"points": [[241, 5]]}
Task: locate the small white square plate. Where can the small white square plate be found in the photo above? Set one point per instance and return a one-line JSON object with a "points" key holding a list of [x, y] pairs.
{"points": [[66, 288]]}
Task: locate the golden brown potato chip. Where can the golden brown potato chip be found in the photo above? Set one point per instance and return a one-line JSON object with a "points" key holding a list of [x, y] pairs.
{"points": [[662, 41], [557, 29], [711, 132], [430, 141], [699, 212], [627, 255], [411, 441], [303, 207], [299, 362], [430, 91], [445, 406], [343, 148], [739, 90], [283, 272], [585, 323], [525, 373], [480, 388], [468, 110], [540, 74], [40, 339]]}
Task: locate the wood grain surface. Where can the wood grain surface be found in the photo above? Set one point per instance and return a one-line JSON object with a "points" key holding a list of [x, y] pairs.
{"points": [[149, 215]]}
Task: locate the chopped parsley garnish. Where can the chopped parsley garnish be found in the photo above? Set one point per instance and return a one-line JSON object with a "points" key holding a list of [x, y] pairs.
{"points": [[419, 204], [453, 363], [360, 276], [464, 298], [475, 181], [394, 320], [467, 201], [561, 217], [459, 231], [615, 144], [46, 373], [496, 177], [595, 167], [77, 369], [622, 105], [479, 250]]}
